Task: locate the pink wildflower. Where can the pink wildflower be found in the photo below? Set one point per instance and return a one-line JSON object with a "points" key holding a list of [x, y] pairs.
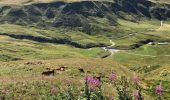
{"points": [[136, 94], [92, 82], [159, 90], [113, 76], [135, 79], [111, 98]]}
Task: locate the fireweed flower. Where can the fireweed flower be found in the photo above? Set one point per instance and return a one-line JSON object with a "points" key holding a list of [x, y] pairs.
{"points": [[159, 90], [113, 76], [135, 79], [111, 98], [136, 94], [92, 82]]}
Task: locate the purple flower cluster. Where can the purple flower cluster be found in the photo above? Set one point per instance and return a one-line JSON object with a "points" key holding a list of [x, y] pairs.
{"points": [[113, 76], [92, 82], [135, 79], [159, 90], [136, 94]]}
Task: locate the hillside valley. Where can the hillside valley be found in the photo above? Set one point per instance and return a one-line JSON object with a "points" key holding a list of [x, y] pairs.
{"points": [[47, 44]]}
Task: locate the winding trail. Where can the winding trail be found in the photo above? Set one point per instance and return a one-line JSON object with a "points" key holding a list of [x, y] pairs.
{"points": [[113, 51], [113, 43]]}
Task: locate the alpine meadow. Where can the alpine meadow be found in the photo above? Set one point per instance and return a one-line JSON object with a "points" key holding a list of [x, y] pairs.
{"points": [[84, 49]]}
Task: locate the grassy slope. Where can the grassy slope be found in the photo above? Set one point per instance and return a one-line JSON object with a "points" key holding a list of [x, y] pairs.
{"points": [[75, 36], [12, 49], [139, 28], [159, 34], [41, 50], [19, 78], [17, 72], [161, 1], [151, 61]]}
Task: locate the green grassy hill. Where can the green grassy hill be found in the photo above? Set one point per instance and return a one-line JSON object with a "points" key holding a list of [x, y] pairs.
{"points": [[38, 36]]}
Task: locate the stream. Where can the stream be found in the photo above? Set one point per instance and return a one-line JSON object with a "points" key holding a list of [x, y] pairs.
{"points": [[115, 50], [111, 50]]}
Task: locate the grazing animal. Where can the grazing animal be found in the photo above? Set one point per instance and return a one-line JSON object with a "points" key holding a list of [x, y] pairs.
{"points": [[81, 70], [34, 63], [39, 63], [61, 68], [29, 63], [48, 73], [88, 71], [48, 69]]}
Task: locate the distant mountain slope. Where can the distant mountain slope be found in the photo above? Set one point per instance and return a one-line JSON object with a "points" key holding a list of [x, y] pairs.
{"points": [[161, 1], [27, 2], [82, 15]]}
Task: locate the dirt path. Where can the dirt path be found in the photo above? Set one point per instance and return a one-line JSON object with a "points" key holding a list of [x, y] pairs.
{"points": [[113, 43], [112, 51], [163, 26]]}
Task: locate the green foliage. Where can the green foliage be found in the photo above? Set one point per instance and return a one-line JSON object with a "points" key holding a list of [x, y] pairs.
{"points": [[122, 87]]}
